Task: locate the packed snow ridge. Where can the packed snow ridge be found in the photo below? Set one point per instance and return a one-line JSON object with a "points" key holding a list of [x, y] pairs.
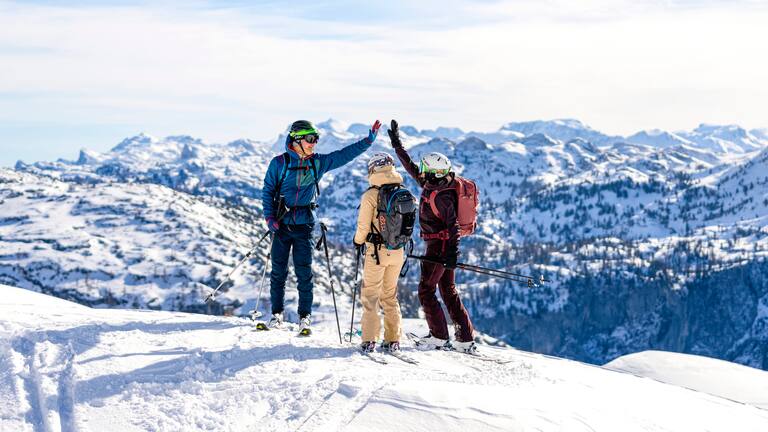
{"points": [[67, 367]]}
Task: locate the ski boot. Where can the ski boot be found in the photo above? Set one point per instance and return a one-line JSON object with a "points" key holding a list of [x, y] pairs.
{"points": [[276, 321], [368, 347], [390, 346], [430, 341], [304, 326], [465, 347]]}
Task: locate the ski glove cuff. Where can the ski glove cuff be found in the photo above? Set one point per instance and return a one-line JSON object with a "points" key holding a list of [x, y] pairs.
{"points": [[358, 247], [273, 224], [373, 132]]}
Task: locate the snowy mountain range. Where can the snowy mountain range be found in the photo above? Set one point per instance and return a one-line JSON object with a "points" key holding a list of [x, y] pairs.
{"points": [[652, 241], [67, 367]]}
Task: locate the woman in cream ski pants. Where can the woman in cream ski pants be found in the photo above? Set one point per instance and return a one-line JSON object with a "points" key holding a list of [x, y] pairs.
{"points": [[379, 279]]}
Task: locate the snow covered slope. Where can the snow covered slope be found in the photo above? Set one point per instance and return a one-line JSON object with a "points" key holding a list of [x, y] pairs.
{"points": [[739, 383], [67, 367], [132, 245]]}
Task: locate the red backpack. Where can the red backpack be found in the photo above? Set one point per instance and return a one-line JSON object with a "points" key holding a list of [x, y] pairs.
{"points": [[468, 200]]}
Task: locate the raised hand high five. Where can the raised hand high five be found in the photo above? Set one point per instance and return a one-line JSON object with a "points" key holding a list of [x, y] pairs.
{"points": [[374, 131], [394, 134]]}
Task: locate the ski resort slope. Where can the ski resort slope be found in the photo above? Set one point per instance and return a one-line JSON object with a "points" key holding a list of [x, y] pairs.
{"points": [[71, 368]]}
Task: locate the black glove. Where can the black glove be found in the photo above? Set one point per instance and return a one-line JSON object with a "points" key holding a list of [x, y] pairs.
{"points": [[450, 261], [394, 135], [358, 247]]}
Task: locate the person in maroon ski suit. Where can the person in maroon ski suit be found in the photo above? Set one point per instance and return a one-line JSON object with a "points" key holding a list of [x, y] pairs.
{"points": [[442, 236]]}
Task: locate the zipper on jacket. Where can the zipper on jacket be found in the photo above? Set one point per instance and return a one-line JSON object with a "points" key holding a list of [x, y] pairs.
{"points": [[298, 187]]}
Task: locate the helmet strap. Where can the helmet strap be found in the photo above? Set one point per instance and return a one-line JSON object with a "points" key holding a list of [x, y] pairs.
{"points": [[303, 151]]}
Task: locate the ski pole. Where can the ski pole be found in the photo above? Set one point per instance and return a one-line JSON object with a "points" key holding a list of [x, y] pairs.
{"points": [[323, 242], [470, 267], [491, 272], [524, 279], [495, 273], [358, 252], [212, 296], [256, 313], [487, 271]]}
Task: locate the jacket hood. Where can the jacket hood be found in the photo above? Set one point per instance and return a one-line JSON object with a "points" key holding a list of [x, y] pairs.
{"points": [[386, 175]]}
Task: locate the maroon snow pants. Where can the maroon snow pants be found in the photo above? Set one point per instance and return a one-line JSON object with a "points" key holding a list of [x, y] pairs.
{"points": [[432, 277]]}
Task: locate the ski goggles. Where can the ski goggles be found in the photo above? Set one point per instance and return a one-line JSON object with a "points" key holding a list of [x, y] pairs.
{"points": [[309, 139], [309, 135], [438, 172]]}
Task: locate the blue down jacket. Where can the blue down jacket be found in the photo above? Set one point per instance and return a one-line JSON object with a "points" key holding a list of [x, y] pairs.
{"points": [[298, 186]]}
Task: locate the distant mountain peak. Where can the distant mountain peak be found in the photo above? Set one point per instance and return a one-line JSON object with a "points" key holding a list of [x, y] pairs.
{"points": [[137, 140], [245, 143], [722, 131], [584, 144], [409, 130], [359, 129], [761, 133], [572, 123], [657, 138], [473, 144], [188, 152], [566, 123], [561, 129], [184, 139], [538, 140], [446, 132], [86, 157], [332, 125]]}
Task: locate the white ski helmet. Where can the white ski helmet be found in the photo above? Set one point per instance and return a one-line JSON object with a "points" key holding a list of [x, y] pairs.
{"points": [[436, 164], [379, 160]]}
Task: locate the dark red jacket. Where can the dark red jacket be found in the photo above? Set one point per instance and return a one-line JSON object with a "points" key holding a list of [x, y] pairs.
{"points": [[446, 203]]}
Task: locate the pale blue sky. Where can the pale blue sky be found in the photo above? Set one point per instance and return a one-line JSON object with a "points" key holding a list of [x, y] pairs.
{"points": [[85, 74]]}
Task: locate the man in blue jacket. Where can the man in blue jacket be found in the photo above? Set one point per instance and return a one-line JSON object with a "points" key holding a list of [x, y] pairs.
{"points": [[290, 189]]}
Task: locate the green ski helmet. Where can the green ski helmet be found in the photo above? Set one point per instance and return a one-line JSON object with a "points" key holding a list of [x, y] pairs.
{"points": [[304, 129]]}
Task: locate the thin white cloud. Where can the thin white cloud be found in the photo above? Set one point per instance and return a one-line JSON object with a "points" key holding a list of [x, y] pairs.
{"points": [[224, 73]]}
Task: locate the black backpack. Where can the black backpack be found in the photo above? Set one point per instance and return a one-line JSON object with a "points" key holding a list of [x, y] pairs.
{"points": [[396, 213]]}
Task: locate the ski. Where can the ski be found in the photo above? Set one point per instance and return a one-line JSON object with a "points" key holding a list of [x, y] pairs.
{"points": [[261, 326], [403, 357], [378, 358], [484, 357], [480, 356], [420, 344], [305, 332]]}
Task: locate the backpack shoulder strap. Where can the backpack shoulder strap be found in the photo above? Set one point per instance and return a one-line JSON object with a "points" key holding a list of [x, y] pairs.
{"points": [[314, 173], [284, 172], [431, 201], [458, 186]]}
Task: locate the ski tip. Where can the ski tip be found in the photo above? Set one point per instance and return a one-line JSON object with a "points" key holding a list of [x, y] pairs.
{"points": [[305, 332], [262, 327]]}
